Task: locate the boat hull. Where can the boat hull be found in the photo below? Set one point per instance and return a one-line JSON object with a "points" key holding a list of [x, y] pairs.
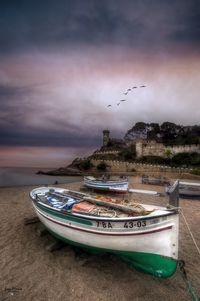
{"points": [[189, 189], [150, 245], [193, 193], [154, 264], [111, 186]]}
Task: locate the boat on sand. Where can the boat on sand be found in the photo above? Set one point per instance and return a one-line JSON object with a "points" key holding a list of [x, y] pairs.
{"points": [[189, 189], [105, 183], [145, 236], [155, 180]]}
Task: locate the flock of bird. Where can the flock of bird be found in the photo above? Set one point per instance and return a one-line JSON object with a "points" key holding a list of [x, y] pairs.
{"points": [[126, 93]]}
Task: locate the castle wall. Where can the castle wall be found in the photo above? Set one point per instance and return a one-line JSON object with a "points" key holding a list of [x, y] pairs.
{"points": [[115, 152], [153, 148], [106, 137], [185, 148], [139, 149], [122, 166]]}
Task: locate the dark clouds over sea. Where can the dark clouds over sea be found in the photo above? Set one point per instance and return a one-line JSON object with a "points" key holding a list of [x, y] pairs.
{"points": [[63, 62]]}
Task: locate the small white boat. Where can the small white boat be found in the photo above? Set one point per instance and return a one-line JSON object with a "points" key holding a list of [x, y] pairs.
{"points": [[189, 189], [145, 236], [119, 185], [155, 180]]}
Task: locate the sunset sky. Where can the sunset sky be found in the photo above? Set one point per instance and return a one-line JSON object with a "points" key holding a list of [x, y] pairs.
{"points": [[63, 62]]}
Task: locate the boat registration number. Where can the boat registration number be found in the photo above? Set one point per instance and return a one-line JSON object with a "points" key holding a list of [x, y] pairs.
{"points": [[127, 225]]}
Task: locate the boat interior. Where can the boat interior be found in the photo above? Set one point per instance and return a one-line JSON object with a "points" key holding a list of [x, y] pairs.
{"points": [[101, 206]]}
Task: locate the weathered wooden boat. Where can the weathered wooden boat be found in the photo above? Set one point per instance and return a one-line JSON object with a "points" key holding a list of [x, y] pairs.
{"points": [[189, 189], [155, 180], [144, 236], [119, 185]]}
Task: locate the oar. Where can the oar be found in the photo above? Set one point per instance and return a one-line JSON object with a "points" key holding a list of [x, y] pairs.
{"points": [[189, 184], [138, 208], [149, 192]]}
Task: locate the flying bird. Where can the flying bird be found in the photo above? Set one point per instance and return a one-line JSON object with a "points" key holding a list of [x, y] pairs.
{"points": [[142, 86], [118, 103], [109, 106], [125, 93], [123, 100], [134, 88], [128, 89]]}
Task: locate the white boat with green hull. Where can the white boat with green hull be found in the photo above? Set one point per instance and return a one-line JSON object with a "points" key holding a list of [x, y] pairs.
{"points": [[145, 236]]}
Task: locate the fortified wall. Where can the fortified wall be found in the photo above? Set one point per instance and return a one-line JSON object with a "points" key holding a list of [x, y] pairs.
{"points": [[147, 148], [122, 166], [152, 148]]}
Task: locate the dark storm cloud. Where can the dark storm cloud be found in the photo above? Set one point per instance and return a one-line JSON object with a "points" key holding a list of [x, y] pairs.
{"points": [[14, 104], [190, 29], [26, 137], [17, 108], [72, 107], [10, 113], [136, 23], [9, 91]]}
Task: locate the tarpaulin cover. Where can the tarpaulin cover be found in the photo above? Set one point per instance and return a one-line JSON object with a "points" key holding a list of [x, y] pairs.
{"points": [[83, 207]]}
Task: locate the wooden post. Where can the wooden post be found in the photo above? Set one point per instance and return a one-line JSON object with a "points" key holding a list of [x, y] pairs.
{"points": [[41, 230], [31, 220], [173, 192], [56, 245]]}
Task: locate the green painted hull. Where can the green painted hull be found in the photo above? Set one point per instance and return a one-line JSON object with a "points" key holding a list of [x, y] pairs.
{"points": [[153, 264]]}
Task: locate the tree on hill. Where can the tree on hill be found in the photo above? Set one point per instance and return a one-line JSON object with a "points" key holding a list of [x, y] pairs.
{"points": [[83, 164], [168, 133], [187, 159], [128, 154], [102, 166], [140, 126]]}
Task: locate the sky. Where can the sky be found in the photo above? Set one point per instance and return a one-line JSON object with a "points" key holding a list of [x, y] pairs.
{"points": [[63, 62]]}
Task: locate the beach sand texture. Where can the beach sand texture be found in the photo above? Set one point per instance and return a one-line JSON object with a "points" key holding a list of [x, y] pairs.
{"points": [[29, 272]]}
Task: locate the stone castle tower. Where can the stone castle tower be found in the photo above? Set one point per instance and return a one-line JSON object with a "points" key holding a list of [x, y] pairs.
{"points": [[106, 137]]}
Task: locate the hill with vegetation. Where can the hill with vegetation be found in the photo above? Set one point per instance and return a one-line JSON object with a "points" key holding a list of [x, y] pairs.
{"points": [[167, 133]]}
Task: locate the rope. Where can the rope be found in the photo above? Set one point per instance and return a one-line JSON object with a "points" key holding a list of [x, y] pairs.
{"points": [[194, 241], [188, 282], [103, 212], [182, 264]]}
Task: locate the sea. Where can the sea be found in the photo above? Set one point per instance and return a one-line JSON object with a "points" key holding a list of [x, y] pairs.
{"points": [[24, 176]]}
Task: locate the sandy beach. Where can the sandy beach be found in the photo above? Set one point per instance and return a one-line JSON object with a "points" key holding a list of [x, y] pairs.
{"points": [[30, 272]]}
